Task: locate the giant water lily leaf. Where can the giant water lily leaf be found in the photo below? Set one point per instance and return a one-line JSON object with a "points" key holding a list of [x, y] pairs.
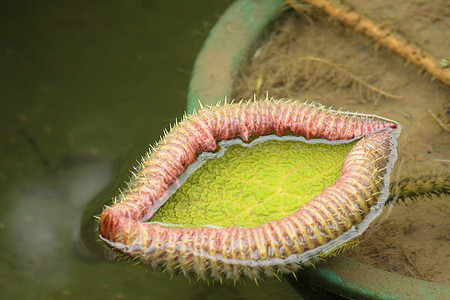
{"points": [[258, 210], [250, 186]]}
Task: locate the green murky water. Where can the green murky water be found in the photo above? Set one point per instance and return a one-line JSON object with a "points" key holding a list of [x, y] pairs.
{"points": [[85, 87]]}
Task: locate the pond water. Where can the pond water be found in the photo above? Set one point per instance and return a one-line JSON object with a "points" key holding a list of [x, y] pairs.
{"points": [[85, 87]]}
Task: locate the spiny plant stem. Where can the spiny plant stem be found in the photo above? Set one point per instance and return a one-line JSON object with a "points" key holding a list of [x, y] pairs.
{"points": [[384, 37], [425, 184]]}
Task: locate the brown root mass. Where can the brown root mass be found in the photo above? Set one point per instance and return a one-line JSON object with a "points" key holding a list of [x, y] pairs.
{"points": [[410, 239], [385, 37]]}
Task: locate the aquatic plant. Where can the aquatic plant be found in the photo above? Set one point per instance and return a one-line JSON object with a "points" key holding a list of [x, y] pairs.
{"points": [[331, 219]]}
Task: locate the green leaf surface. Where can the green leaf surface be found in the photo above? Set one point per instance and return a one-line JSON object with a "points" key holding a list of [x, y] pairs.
{"points": [[249, 186]]}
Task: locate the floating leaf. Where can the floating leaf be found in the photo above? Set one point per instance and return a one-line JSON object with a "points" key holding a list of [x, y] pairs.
{"points": [[250, 186], [286, 232]]}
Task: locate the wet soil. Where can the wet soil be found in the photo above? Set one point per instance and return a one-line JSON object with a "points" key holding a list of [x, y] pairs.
{"points": [[309, 56]]}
